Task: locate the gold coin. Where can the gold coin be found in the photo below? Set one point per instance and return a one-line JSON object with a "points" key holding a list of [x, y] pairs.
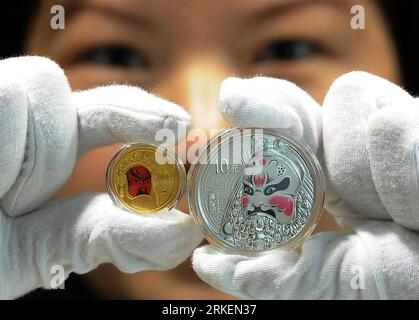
{"points": [[139, 181]]}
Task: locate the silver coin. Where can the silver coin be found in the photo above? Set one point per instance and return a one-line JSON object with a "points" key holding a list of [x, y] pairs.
{"points": [[253, 190]]}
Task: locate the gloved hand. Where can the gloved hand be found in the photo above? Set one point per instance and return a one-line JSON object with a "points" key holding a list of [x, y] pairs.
{"points": [[44, 129], [371, 151]]}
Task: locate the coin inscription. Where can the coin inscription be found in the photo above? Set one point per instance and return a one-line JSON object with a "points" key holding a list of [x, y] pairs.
{"points": [[137, 182], [271, 199]]}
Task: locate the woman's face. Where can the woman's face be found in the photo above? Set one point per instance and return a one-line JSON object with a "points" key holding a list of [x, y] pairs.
{"points": [[182, 50]]}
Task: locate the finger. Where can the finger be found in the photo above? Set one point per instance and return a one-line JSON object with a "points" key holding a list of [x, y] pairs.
{"points": [[123, 114], [351, 102], [324, 269], [13, 129], [280, 275], [271, 103], [83, 232], [393, 148], [51, 137]]}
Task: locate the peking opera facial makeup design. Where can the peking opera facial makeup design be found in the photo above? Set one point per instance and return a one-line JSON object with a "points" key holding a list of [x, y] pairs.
{"points": [[272, 192], [139, 183]]}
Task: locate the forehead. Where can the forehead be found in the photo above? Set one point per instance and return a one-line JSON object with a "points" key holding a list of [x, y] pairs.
{"points": [[190, 9], [181, 5]]}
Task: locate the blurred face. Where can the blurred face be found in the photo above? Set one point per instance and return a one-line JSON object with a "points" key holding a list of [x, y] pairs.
{"points": [[182, 50]]}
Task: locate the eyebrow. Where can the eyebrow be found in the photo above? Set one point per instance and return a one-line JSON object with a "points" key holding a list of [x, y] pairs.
{"points": [[109, 9], [268, 11]]}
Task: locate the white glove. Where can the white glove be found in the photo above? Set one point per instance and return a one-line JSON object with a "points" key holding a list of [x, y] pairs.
{"points": [[371, 150], [44, 129]]}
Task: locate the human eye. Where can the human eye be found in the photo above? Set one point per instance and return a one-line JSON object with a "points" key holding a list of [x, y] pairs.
{"points": [[287, 50], [115, 56]]}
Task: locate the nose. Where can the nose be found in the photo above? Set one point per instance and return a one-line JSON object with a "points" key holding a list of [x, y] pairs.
{"points": [[194, 84]]}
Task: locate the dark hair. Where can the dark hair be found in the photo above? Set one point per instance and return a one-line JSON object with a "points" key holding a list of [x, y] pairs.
{"points": [[14, 24], [402, 16]]}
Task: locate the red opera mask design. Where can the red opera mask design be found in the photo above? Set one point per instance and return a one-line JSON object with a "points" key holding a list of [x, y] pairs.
{"points": [[271, 191], [139, 181]]}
